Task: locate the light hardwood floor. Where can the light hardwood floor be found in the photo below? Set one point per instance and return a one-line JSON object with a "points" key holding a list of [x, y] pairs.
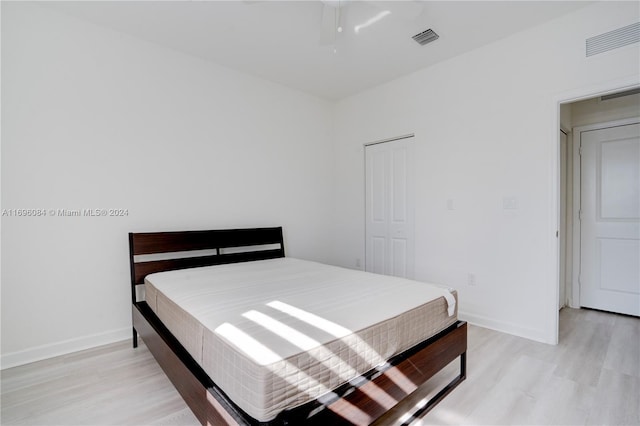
{"points": [[591, 377]]}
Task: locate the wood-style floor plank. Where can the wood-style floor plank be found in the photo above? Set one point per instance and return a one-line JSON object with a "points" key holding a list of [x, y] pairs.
{"points": [[114, 385], [591, 377]]}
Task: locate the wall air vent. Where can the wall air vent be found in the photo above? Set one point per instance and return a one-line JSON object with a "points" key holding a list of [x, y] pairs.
{"points": [[425, 37], [613, 39]]}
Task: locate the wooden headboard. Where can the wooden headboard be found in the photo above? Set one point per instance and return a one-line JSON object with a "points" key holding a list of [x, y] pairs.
{"points": [[174, 248]]}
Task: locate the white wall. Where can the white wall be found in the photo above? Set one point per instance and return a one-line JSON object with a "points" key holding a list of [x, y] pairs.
{"points": [[486, 126], [92, 118]]}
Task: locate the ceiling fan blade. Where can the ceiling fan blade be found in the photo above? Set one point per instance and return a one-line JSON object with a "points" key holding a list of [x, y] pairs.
{"points": [[407, 10]]}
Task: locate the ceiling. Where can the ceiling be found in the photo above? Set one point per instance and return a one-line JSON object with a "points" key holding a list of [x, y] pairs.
{"points": [[280, 40]]}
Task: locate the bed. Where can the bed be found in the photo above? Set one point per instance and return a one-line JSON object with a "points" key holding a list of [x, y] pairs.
{"points": [[251, 337]]}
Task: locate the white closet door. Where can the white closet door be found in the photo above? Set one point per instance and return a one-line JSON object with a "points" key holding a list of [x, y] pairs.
{"points": [[610, 219], [389, 208]]}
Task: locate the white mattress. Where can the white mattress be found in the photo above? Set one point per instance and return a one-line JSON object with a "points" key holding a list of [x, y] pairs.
{"points": [[275, 334]]}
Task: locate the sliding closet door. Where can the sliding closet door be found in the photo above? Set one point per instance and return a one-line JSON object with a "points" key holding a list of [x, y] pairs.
{"points": [[389, 208]]}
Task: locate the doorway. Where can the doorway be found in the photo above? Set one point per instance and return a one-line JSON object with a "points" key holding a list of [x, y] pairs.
{"points": [[582, 120]]}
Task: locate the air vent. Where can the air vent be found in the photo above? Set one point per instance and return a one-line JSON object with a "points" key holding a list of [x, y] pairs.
{"points": [[425, 37], [620, 94], [613, 39]]}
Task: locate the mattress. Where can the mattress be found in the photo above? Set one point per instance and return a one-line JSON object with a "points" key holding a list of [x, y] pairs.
{"points": [[275, 334]]}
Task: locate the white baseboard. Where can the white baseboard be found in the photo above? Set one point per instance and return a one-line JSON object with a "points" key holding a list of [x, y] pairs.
{"points": [[504, 327], [65, 347]]}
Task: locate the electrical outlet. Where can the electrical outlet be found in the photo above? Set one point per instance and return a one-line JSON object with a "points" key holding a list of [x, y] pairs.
{"points": [[358, 263], [471, 279]]}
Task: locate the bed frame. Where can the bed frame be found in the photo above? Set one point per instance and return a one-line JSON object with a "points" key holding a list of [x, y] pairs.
{"points": [[355, 402]]}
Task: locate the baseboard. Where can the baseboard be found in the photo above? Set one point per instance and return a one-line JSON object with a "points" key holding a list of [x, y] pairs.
{"points": [[503, 327], [65, 347]]}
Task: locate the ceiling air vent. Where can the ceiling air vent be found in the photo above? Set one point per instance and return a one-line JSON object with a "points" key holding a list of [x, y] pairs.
{"points": [[613, 39], [425, 37]]}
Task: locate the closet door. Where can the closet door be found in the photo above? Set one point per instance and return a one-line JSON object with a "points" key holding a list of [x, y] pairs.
{"points": [[389, 246]]}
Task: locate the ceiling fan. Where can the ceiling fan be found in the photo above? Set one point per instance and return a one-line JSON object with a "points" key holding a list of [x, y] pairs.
{"points": [[334, 13]]}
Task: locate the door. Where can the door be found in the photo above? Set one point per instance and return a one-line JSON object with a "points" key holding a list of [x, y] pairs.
{"points": [[610, 219], [389, 232]]}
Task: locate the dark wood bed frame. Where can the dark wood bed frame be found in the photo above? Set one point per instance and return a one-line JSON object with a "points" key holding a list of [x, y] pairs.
{"points": [[209, 403]]}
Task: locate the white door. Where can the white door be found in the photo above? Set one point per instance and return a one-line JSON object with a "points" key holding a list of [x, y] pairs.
{"points": [[389, 208], [610, 219]]}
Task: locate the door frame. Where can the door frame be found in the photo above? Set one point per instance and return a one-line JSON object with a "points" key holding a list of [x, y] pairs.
{"points": [[577, 188], [552, 290], [563, 235]]}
